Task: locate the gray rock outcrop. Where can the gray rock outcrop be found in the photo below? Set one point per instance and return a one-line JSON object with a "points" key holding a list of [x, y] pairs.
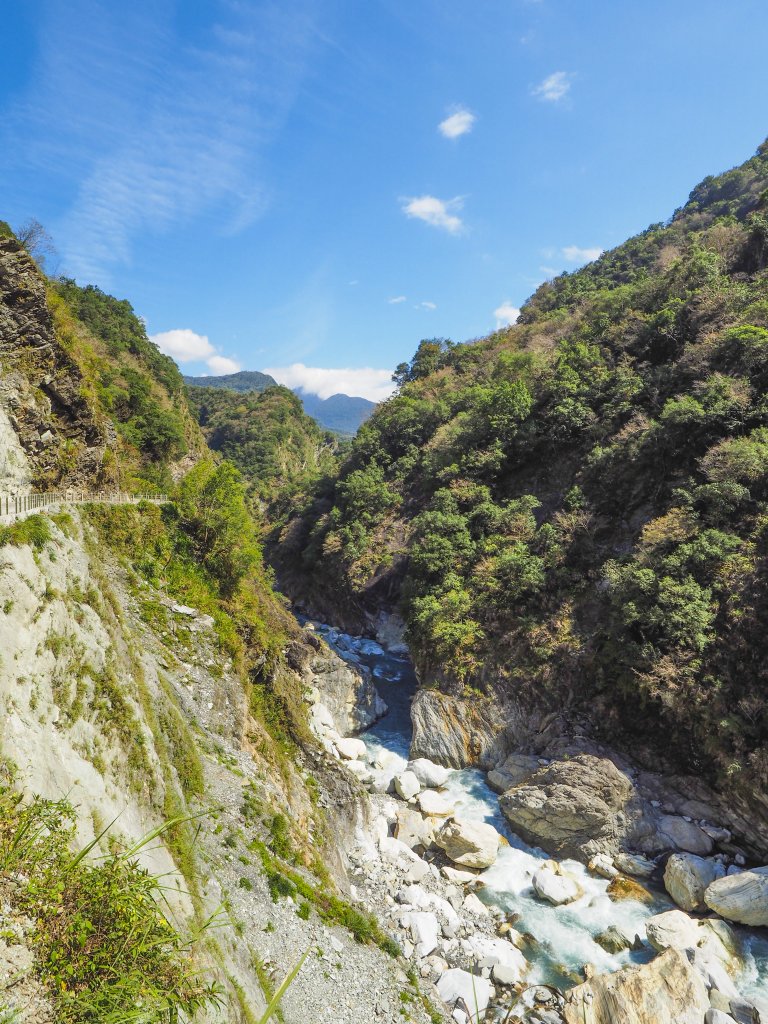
{"points": [[347, 690], [457, 733]]}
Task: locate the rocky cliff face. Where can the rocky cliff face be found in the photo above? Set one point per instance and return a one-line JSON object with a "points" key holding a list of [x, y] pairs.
{"points": [[121, 699], [41, 386]]}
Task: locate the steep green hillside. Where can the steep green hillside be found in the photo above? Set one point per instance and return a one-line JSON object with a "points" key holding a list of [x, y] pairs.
{"points": [[131, 381], [278, 448], [94, 401], [575, 509]]}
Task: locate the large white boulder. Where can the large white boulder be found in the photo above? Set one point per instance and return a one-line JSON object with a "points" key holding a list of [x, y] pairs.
{"points": [[686, 876], [672, 930], [556, 886], [407, 785], [668, 990], [490, 952], [413, 829], [742, 898], [429, 774], [394, 852], [473, 844], [473, 905], [434, 805], [714, 943], [425, 932], [468, 990], [351, 749]]}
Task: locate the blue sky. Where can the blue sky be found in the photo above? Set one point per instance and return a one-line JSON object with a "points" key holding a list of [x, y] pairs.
{"points": [[269, 183]]}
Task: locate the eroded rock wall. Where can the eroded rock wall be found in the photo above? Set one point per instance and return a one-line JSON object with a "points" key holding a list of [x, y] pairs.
{"points": [[42, 390]]}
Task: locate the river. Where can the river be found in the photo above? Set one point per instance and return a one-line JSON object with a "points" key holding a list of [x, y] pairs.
{"points": [[565, 935]]}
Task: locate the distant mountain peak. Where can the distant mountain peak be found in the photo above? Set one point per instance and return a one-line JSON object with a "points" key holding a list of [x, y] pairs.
{"points": [[243, 380], [341, 413]]}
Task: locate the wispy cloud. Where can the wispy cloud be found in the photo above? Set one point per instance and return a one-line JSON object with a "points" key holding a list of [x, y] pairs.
{"points": [[506, 314], [187, 346], [439, 213], [456, 124], [575, 254], [397, 299], [554, 87], [376, 385], [426, 305], [157, 132]]}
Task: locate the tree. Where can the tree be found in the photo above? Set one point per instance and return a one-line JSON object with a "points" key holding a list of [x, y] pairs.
{"points": [[36, 240], [428, 358], [213, 511]]}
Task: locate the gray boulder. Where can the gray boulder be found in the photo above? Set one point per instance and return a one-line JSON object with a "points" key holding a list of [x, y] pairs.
{"points": [[684, 835], [512, 771], [473, 844], [571, 808], [742, 898], [686, 876]]}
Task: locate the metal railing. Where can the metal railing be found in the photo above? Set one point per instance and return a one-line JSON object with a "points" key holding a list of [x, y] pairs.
{"points": [[12, 506]]}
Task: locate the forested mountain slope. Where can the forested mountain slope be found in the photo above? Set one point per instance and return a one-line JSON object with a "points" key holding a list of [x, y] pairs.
{"points": [[91, 397], [279, 449], [574, 510]]}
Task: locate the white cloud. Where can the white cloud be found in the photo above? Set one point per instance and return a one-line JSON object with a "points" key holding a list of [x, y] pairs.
{"points": [[506, 314], [554, 87], [396, 299], [458, 123], [436, 212], [186, 346], [183, 345], [575, 254], [219, 365], [375, 385], [426, 305]]}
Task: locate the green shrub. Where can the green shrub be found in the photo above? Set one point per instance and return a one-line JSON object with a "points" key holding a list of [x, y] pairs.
{"points": [[104, 948], [34, 530]]}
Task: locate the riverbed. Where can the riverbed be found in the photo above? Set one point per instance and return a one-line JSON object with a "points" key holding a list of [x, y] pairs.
{"points": [[565, 935]]}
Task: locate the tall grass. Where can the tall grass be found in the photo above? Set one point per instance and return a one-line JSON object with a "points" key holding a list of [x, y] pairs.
{"points": [[105, 949]]}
